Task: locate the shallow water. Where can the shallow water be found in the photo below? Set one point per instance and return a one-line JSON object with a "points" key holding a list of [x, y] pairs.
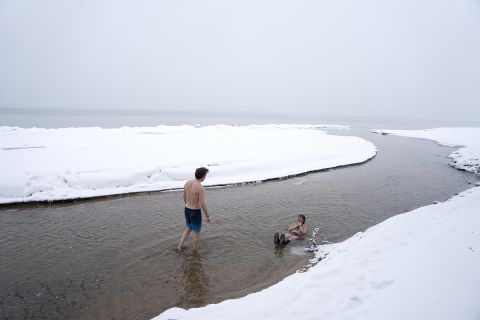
{"points": [[114, 258]]}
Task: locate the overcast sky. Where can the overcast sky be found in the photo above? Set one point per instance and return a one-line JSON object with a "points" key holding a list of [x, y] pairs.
{"points": [[400, 58]]}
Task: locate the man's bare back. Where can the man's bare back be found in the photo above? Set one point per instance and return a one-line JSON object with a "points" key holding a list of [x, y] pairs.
{"points": [[194, 195]]}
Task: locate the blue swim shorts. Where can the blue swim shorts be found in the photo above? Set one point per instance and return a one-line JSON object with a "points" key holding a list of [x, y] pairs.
{"points": [[193, 219]]}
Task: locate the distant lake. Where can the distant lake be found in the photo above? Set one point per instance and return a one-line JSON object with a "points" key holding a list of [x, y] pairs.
{"points": [[53, 118]]}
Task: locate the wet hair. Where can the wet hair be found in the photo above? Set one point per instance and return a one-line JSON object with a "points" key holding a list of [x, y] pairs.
{"points": [[201, 173], [303, 217]]}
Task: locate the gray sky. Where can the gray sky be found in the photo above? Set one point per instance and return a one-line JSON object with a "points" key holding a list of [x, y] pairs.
{"points": [[400, 58]]}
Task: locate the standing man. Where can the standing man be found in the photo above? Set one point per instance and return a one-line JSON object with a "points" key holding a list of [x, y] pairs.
{"points": [[194, 198]]}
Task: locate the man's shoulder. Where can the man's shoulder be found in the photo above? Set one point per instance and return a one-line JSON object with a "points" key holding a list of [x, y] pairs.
{"points": [[194, 183]]}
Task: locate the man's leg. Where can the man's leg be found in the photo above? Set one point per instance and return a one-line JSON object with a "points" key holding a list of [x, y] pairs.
{"points": [[185, 235], [289, 236], [196, 240]]}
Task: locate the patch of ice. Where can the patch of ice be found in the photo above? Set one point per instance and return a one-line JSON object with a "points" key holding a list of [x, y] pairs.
{"points": [[299, 181]]}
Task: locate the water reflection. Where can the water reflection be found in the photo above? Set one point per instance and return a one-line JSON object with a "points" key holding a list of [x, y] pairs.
{"points": [[278, 250], [194, 280]]}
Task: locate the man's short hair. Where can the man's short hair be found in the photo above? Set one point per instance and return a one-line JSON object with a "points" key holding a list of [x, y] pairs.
{"points": [[200, 173]]}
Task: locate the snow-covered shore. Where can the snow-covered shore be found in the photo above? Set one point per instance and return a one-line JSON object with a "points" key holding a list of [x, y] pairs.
{"points": [[39, 164], [419, 265], [466, 158]]}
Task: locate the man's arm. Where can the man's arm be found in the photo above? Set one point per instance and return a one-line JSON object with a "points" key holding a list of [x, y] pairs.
{"points": [[203, 203], [303, 229], [185, 186], [293, 226]]}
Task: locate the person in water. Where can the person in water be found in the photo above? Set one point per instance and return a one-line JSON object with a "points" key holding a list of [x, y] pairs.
{"points": [[295, 231], [194, 198]]}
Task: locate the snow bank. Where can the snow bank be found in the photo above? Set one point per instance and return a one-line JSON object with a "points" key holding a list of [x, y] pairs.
{"points": [[466, 158], [52, 164], [419, 265]]}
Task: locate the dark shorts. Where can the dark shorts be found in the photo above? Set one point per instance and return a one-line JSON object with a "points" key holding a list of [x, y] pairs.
{"points": [[193, 219]]}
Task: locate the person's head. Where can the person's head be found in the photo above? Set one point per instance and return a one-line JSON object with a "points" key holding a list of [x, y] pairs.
{"points": [[301, 218], [201, 173]]}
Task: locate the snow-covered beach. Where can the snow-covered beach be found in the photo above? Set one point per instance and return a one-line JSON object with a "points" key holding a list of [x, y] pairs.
{"points": [[419, 265], [39, 164]]}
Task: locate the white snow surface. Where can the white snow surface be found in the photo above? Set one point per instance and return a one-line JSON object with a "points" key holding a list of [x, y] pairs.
{"points": [[38, 164], [466, 158], [418, 265]]}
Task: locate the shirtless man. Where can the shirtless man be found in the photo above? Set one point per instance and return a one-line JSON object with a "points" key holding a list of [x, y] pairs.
{"points": [[194, 198]]}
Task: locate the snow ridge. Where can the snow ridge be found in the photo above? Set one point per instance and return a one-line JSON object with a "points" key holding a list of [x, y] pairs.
{"points": [[40, 164]]}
